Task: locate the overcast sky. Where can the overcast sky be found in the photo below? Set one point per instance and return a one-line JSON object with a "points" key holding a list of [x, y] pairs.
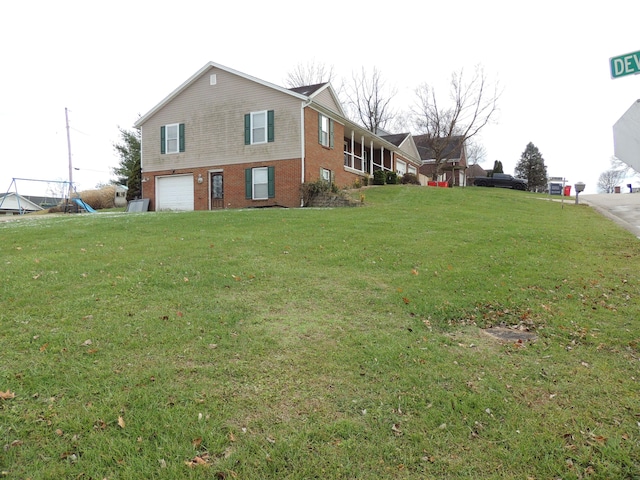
{"points": [[108, 62]]}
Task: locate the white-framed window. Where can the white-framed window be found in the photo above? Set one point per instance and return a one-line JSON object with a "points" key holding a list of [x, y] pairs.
{"points": [[326, 175], [260, 183], [172, 138], [259, 127], [325, 131], [401, 167], [413, 170]]}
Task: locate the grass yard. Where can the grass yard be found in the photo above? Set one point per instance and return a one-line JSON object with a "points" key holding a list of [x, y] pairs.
{"points": [[333, 344]]}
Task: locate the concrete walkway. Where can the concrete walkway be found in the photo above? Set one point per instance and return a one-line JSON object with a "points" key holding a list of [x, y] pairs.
{"points": [[622, 208]]}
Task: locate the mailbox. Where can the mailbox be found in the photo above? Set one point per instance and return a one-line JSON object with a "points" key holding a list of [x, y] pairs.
{"points": [[579, 188]]}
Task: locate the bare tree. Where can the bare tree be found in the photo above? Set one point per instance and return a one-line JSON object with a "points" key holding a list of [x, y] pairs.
{"points": [[369, 99], [473, 104], [310, 73], [476, 153], [609, 180]]}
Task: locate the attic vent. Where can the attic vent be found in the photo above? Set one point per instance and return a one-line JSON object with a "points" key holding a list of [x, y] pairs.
{"points": [[213, 79]]}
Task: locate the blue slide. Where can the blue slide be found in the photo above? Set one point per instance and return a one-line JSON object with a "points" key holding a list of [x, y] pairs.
{"points": [[86, 206]]}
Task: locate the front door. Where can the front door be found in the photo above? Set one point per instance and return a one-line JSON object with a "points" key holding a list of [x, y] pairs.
{"points": [[217, 191]]}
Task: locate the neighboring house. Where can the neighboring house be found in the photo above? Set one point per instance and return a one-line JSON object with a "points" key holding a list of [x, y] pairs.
{"points": [[405, 142], [13, 204], [453, 157], [225, 139], [474, 171]]}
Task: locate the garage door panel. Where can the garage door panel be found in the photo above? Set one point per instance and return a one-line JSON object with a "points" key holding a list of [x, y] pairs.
{"points": [[174, 192]]}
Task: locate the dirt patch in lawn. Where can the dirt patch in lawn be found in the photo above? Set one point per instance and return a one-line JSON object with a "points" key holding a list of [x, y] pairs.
{"points": [[510, 335]]}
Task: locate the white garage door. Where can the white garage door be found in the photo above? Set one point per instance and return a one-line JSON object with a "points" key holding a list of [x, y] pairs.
{"points": [[174, 193]]}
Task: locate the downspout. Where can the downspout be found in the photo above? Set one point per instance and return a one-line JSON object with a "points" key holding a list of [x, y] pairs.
{"points": [[302, 142]]}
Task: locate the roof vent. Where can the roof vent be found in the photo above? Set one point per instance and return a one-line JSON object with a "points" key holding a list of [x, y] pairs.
{"points": [[213, 79]]}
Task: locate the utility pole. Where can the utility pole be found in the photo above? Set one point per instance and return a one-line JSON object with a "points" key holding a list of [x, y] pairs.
{"points": [[66, 115]]}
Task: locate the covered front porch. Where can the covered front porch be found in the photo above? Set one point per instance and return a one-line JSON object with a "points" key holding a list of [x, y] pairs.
{"points": [[365, 153]]}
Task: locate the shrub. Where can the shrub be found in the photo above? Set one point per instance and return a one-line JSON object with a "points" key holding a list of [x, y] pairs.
{"points": [[391, 178], [99, 199], [410, 179], [311, 190], [379, 177], [365, 181]]}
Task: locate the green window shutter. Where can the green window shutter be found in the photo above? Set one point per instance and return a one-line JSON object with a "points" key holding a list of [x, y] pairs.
{"points": [[181, 137], [248, 184], [163, 140], [330, 133], [271, 176], [247, 130], [270, 126]]}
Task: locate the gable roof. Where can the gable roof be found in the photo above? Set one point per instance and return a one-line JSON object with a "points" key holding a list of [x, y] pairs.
{"points": [[309, 90], [305, 94], [450, 147], [16, 203]]}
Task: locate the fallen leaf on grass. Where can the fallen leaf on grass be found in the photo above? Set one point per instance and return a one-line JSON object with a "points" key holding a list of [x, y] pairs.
{"points": [[44, 347], [198, 460], [86, 343], [406, 300], [7, 395], [414, 271], [121, 422], [196, 442], [59, 432], [396, 429]]}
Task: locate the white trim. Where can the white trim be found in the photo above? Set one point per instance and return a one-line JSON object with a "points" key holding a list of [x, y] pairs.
{"points": [[266, 126], [166, 138], [253, 183]]}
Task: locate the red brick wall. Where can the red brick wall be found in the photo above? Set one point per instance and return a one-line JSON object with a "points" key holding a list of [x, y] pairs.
{"points": [[287, 185], [318, 157]]}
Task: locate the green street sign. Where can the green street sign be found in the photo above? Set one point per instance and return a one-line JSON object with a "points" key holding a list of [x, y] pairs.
{"points": [[628, 64]]}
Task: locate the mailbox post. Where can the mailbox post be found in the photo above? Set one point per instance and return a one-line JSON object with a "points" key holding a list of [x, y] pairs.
{"points": [[579, 188]]}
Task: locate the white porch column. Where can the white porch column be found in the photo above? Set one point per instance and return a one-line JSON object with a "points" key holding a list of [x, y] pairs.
{"points": [[382, 157], [352, 149], [371, 161]]}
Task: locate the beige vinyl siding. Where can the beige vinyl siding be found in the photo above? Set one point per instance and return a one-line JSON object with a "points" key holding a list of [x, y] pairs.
{"points": [[214, 124], [408, 148], [325, 99]]}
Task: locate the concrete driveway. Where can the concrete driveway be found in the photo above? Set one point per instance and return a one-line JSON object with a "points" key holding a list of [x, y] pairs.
{"points": [[622, 208]]}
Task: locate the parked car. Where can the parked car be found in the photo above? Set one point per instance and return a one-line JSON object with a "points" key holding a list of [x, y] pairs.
{"points": [[502, 180]]}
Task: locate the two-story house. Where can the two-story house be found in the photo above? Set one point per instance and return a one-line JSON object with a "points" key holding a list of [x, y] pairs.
{"points": [[225, 139]]}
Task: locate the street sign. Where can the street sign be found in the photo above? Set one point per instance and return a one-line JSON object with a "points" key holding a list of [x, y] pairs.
{"points": [[628, 64]]}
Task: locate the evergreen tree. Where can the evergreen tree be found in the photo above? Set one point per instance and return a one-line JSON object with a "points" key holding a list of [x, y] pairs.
{"points": [[531, 167], [497, 167], [129, 172]]}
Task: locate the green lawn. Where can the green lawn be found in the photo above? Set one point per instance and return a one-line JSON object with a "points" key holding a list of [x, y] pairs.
{"points": [[322, 343]]}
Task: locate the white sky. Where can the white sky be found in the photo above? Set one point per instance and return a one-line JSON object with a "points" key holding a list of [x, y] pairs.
{"points": [[107, 62]]}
